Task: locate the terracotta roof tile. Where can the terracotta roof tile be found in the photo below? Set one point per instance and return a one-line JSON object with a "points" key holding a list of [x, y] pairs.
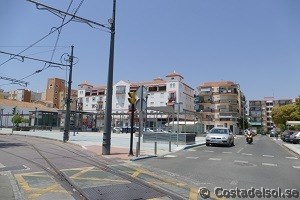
{"points": [[25, 105]]}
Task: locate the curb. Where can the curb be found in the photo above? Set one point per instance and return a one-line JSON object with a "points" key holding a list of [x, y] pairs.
{"points": [[291, 149], [193, 145], [142, 157]]}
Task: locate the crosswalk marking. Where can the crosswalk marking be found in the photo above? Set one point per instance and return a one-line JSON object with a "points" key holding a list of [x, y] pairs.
{"points": [[247, 154], [293, 158], [241, 161], [215, 159], [270, 156], [269, 164], [208, 151], [296, 167], [170, 156], [192, 157]]}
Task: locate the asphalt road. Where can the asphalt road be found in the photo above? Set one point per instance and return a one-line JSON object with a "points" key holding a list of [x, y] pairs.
{"points": [[263, 165], [45, 169]]}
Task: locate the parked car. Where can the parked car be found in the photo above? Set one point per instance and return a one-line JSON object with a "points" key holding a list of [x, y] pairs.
{"points": [[272, 133], [148, 130], [294, 138], [220, 135], [117, 130], [286, 135]]}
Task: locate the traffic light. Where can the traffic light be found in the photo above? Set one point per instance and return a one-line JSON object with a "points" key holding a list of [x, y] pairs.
{"points": [[132, 97], [14, 110]]}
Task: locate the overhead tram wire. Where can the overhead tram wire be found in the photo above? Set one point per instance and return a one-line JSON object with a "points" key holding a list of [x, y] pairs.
{"points": [[59, 29], [52, 31], [58, 35]]}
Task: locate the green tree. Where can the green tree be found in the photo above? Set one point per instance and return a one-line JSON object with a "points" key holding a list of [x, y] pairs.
{"points": [[17, 119], [282, 114]]}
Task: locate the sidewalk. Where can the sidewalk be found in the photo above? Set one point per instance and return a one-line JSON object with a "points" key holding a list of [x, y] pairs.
{"points": [[120, 143], [293, 147]]}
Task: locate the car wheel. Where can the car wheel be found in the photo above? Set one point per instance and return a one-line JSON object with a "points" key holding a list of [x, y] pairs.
{"points": [[232, 144], [207, 144]]}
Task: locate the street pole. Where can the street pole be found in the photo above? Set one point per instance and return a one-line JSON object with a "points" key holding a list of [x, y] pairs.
{"points": [[1, 117], [146, 117], [141, 123], [75, 117], [131, 130], [68, 100], [34, 119], [108, 106], [178, 105]]}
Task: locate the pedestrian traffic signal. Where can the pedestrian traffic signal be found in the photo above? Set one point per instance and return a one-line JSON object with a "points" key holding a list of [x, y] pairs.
{"points": [[132, 97]]}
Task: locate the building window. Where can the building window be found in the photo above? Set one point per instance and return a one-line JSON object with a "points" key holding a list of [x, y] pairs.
{"points": [[87, 100], [93, 99], [162, 95], [50, 86]]}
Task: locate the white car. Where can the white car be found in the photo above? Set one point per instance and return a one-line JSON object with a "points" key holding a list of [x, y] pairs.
{"points": [[148, 130], [220, 135]]}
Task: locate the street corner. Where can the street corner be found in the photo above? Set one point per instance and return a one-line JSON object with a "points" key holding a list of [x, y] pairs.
{"points": [[39, 185]]}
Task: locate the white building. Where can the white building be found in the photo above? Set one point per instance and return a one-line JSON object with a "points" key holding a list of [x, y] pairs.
{"points": [[163, 94]]}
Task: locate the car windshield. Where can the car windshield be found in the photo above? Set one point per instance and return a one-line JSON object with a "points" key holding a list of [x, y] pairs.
{"points": [[218, 131]]}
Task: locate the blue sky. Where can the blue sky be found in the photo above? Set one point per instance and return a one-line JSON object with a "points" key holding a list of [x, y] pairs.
{"points": [[254, 43]]}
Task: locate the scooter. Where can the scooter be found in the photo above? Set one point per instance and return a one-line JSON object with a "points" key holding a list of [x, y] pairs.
{"points": [[249, 139]]}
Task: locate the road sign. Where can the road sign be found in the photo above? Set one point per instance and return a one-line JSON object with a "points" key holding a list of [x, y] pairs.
{"points": [[141, 92], [141, 105]]}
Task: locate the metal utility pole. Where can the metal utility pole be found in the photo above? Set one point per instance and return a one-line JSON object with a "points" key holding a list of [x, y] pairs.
{"points": [[108, 106], [131, 130], [68, 100]]}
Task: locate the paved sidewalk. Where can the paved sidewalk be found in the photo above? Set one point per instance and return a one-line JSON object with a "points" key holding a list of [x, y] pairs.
{"points": [[292, 147], [120, 143]]}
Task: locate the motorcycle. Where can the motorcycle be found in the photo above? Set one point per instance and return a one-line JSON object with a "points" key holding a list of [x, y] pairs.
{"points": [[249, 138]]}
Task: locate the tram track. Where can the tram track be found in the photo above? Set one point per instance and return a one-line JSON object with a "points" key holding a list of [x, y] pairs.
{"points": [[85, 158]]}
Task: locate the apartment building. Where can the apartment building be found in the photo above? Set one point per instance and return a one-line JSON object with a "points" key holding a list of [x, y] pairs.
{"points": [[163, 94], [220, 104], [54, 88], [260, 112], [20, 95]]}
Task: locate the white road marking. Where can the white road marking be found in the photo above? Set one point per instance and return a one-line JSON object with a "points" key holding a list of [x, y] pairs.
{"points": [[1, 165], [170, 156], [208, 151], [193, 157], [84, 147], [234, 182], [226, 152], [293, 158], [268, 156], [240, 161], [215, 159], [247, 154], [240, 150], [296, 167], [269, 164], [192, 150]]}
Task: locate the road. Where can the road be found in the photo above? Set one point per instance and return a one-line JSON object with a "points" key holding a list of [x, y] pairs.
{"points": [[45, 169], [265, 163]]}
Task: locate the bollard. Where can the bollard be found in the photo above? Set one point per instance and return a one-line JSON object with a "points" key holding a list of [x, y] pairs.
{"points": [[155, 148], [170, 144], [137, 149]]}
